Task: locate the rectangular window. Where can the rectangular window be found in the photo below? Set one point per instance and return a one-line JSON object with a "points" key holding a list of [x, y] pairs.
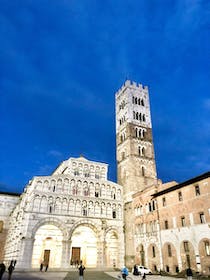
{"points": [[202, 218], [153, 251], [197, 190], [186, 246], [166, 224], [169, 250], [183, 222], [207, 248], [1, 226], [164, 201], [180, 196]]}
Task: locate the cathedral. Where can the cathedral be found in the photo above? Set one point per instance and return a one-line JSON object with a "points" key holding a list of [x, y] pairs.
{"points": [[76, 213]]}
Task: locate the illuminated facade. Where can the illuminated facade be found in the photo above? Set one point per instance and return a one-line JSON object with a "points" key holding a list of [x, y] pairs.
{"points": [[74, 214]]}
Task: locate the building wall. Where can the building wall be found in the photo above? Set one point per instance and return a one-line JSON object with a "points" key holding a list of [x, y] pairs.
{"points": [[181, 235], [186, 214]]}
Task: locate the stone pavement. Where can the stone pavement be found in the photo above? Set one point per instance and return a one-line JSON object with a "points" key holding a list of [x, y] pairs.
{"points": [[73, 275]]}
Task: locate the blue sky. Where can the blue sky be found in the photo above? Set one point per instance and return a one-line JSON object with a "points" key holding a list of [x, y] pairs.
{"points": [[61, 63]]}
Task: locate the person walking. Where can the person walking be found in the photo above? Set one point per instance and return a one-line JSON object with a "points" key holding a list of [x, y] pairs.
{"points": [[124, 272], [143, 276], [2, 269], [41, 266], [81, 271], [10, 270], [189, 273]]}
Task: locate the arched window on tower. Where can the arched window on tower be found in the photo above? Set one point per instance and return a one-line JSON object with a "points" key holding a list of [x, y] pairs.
{"points": [[137, 116], [134, 115], [139, 101], [142, 102], [136, 100], [140, 118], [133, 100], [136, 132], [143, 151], [143, 118]]}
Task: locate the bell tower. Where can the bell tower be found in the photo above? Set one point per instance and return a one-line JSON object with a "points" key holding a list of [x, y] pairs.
{"points": [[136, 168]]}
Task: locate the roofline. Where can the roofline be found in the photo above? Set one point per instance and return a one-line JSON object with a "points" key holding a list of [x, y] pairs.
{"points": [[183, 184], [10, 193]]}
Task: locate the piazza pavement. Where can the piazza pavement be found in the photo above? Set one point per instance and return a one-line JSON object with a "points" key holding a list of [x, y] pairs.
{"points": [[73, 275]]}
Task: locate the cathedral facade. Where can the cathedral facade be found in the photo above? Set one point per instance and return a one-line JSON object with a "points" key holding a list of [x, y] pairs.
{"points": [[76, 213]]}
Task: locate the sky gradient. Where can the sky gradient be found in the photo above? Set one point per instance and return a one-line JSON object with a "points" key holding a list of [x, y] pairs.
{"points": [[61, 63]]}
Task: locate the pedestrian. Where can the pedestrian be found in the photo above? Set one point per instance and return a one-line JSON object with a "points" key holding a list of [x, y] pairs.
{"points": [[135, 270], [124, 272], [189, 273], [143, 276], [46, 267], [2, 269], [81, 271], [10, 270], [41, 266]]}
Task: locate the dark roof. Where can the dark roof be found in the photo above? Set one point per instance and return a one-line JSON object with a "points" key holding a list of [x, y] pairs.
{"points": [[183, 184], [10, 193]]}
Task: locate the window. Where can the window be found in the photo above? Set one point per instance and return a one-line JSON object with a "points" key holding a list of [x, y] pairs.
{"points": [[114, 214], [153, 251], [166, 224], [76, 173], [207, 248], [164, 201], [1, 226], [186, 246], [180, 196], [202, 218], [167, 268], [84, 212], [183, 223], [197, 190], [143, 171], [97, 176], [50, 209], [169, 250], [96, 194]]}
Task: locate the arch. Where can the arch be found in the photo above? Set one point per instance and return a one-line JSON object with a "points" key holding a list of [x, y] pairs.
{"points": [[112, 247], [84, 244], [52, 221], [170, 260], [153, 257], [204, 251], [187, 254], [47, 247]]}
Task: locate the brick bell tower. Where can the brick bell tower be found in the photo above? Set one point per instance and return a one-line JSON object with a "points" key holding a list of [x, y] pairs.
{"points": [[136, 168]]}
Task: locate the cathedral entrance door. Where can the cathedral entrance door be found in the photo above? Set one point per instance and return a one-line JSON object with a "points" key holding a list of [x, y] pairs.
{"points": [[46, 257], [75, 256]]}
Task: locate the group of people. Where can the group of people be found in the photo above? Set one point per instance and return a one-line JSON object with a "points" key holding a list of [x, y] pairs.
{"points": [[11, 267]]}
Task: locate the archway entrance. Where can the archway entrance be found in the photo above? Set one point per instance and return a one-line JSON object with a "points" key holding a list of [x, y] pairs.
{"points": [[47, 247], [84, 246], [112, 249]]}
